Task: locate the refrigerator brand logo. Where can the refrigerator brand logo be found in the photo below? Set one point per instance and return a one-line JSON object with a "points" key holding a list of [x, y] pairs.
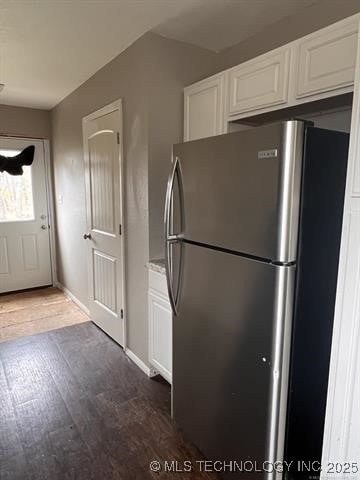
{"points": [[268, 153]]}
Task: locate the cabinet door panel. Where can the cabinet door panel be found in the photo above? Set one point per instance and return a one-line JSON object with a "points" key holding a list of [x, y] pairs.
{"points": [[260, 83], [326, 60], [160, 320], [204, 108]]}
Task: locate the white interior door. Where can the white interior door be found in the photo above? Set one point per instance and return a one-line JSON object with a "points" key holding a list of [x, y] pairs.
{"points": [[102, 149], [24, 224]]}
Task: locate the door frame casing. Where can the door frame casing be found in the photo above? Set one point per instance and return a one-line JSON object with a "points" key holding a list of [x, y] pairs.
{"points": [[49, 197], [341, 441], [51, 209], [112, 107]]}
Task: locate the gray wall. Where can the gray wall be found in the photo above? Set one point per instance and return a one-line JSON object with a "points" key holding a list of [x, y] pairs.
{"points": [[306, 21], [130, 76], [124, 78], [171, 66], [24, 122]]}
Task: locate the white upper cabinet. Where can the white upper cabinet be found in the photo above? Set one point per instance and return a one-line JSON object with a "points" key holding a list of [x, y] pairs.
{"points": [[260, 83], [326, 59], [204, 108], [314, 67]]}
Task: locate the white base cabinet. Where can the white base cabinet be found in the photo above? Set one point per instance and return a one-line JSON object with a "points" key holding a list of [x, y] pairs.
{"points": [[160, 326]]}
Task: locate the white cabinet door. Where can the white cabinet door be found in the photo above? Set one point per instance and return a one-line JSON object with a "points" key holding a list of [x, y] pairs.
{"points": [[160, 332], [326, 60], [204, 108], [260, 83]]}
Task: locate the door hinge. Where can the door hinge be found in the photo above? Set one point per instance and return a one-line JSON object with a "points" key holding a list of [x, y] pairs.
{"points": [[120, 229], [122, 313], [118, 137]]}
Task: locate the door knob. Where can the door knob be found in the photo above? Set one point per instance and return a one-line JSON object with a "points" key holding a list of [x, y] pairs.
{"points": [[43, 227], [87, 236]]}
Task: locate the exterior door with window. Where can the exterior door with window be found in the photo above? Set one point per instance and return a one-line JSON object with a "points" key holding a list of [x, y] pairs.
{"points": [[104, 242], [24, 224]]}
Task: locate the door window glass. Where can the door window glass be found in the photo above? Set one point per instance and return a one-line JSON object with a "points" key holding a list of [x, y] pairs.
{"points": [[16, 195]]}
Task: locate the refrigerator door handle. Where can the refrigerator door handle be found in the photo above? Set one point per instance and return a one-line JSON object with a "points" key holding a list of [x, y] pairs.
{"points": [[171, 238], [172, 298], [168, 199]]}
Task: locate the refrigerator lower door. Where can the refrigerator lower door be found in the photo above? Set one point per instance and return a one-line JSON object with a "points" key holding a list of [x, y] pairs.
{"points": [[230, 356]]}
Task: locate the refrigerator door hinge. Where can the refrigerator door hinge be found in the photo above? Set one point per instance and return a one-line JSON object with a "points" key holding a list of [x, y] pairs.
{"points": [[120, 229], [118, 137], [122, 313]]}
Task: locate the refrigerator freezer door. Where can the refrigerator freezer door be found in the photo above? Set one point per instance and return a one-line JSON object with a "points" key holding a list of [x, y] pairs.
{"points": [[241, 190], [230, 355]]}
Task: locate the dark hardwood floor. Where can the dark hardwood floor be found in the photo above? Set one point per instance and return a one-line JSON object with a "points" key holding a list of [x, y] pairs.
{"points": [[73, 406]]}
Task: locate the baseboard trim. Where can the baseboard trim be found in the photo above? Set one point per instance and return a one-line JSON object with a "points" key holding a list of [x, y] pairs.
{"points": [[72, 297], [149, 371]]}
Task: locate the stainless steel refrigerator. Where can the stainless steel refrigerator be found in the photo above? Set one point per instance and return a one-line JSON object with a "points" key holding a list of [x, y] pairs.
{"points": [[253, 225]]}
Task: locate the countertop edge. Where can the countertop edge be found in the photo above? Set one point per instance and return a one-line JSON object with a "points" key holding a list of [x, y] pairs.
{"points": [[157, 265]]}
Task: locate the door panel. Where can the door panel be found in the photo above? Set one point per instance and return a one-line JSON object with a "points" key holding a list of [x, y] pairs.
{"points": [[326, 60], [241, 190], [30, 252], [160, 333], [260, 82], [102, 182], [104, 217], [4, 256], [204, 108], [25, 260], [225, 353], [105, 280]]}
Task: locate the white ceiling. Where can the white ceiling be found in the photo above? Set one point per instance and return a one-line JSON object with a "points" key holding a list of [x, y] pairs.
{"points": [[218, 24], [50, 47]]}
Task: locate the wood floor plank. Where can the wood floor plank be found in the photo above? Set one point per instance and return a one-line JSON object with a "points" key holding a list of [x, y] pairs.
{"points": [[79, 409], [36, 311], [27, 375], [41, 325], [10, 444], [44, 296], [14, 468], [69, 450]]}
